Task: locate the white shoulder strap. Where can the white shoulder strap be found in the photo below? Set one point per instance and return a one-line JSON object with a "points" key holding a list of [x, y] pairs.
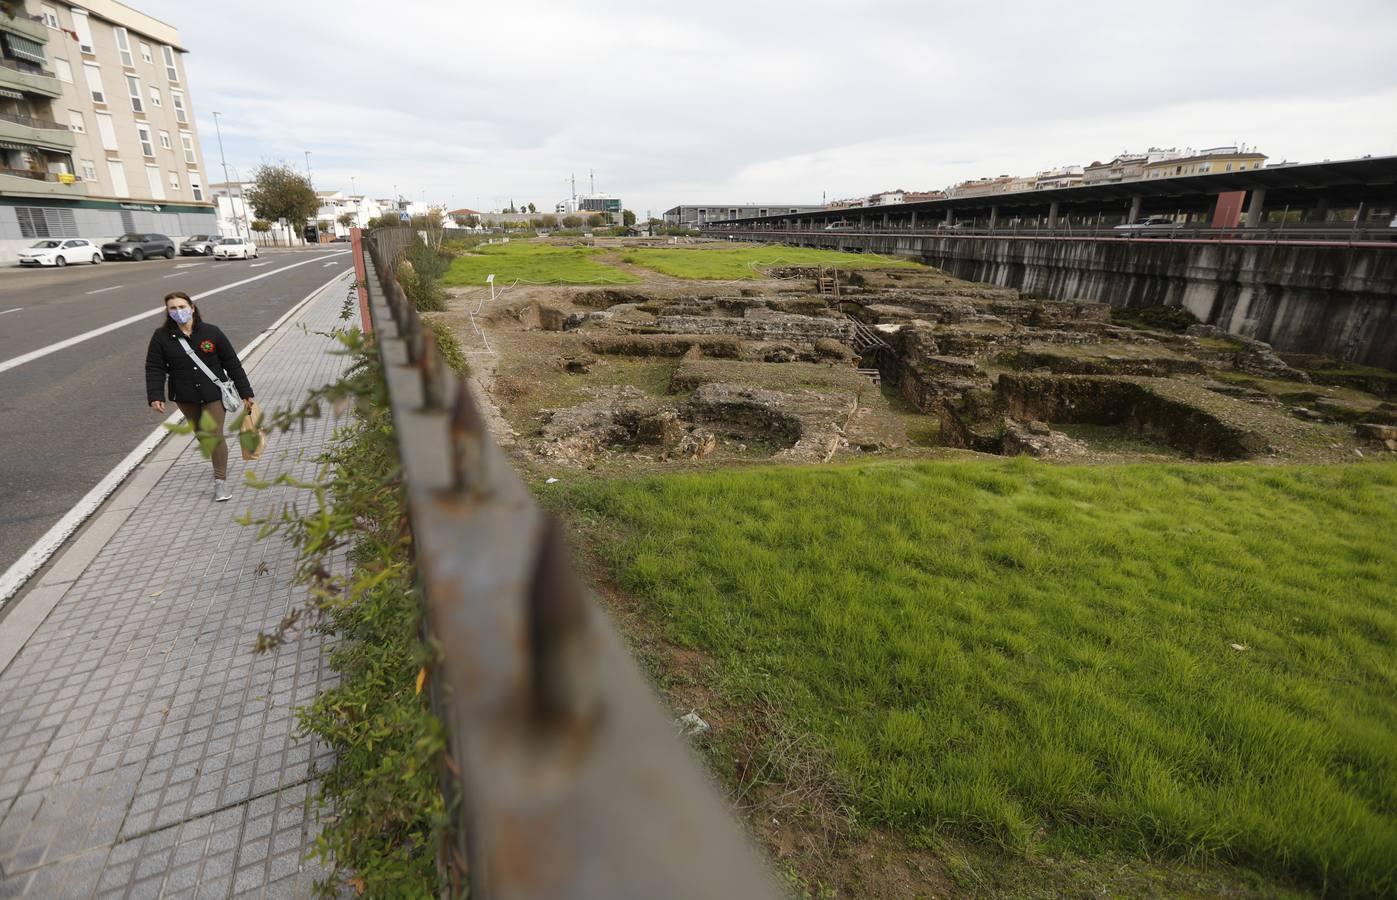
{"points": [[197, 361]]}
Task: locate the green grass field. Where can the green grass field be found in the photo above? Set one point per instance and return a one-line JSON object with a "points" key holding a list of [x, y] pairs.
{"points": [[533, 264], [738, 263], [1156, 661]]}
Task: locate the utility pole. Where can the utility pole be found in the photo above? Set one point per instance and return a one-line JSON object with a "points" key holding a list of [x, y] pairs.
{"points": [[228, 185]]}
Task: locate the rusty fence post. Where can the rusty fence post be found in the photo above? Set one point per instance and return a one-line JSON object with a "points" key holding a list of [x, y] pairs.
{"points": [[573, 779]]}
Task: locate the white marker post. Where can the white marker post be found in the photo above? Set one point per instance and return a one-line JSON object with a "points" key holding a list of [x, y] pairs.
{"points": [[490, 280]]}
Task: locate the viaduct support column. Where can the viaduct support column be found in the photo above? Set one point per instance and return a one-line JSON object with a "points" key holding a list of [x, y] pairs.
{"points": [[1256, 207], [1135, 203], [1052, 214], [913, 225], [994, 216], [1321, 210], [950, 217], [886, 221]]}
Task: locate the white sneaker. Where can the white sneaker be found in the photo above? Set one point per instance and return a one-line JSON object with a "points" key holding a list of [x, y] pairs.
{"points": [[220, 491]]}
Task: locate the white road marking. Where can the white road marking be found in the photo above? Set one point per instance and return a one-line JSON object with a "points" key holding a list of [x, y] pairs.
{"points": [[187, 266], [98, 332], [259, 265], [219, 265], [330, 263], [16, 575], [105, 289], [8, 311], [175, 275]]}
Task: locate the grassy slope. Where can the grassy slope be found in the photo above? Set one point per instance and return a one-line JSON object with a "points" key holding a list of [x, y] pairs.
{"points": [[534, 264], [733, 263], [1041, 657]]}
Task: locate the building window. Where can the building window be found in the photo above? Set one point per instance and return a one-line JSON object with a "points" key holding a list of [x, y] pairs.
{"points": [[118, 173], [147, 146], [196, 186], [93, 73], [165, 141], [107, 130], [171, 72], [145, 53], [46, 222], [155, 100], [123, 47], [177, 100], [65, 71], [187, 141], [83, 28], [174, 181], [49, 15], [75, 122], [133, 87], [157, 187], [89, 170]]}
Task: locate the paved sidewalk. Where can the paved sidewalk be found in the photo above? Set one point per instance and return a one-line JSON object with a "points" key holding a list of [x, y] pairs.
{"points": [[145, 751]]}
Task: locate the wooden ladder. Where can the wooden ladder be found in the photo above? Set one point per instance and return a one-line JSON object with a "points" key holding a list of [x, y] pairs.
{"points": [[828, 284]]}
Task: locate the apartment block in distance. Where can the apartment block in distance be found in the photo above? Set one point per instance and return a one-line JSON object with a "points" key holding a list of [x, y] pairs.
{"points": [[97, 134]]}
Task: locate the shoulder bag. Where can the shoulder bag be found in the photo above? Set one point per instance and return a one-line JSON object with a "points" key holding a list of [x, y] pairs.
{"points": [[231, 400]]}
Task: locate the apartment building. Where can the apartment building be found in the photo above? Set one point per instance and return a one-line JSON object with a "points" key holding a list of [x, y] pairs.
{"points": [[687, 216], [97, 132]]}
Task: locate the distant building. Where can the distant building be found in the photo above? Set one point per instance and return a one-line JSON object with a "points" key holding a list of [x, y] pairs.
{"points": [[1126, 167], [1206, 162], [97, 130], [982, 187], [694, 216], [922, 196], [886, 198], [1061, 177]]}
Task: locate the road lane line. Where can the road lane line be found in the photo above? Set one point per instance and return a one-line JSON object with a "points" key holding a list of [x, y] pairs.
{"points": [[175, 275], [187, 266], [105, 289], [15, 577], [219, 265], [98, 332], [260, 265], [8, 311], [331, 263]]}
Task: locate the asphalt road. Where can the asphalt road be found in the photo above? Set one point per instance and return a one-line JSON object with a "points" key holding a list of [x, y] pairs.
{"points": [[68, 417]]}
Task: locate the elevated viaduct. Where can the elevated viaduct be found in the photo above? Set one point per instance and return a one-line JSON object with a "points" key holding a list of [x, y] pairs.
{"points": [[1310, 266]]}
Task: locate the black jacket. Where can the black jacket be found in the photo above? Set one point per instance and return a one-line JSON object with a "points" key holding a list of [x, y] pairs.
{"points": [[166, 359]]}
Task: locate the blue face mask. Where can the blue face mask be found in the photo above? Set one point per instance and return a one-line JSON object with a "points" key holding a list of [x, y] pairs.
{"points": [[183, 315]]}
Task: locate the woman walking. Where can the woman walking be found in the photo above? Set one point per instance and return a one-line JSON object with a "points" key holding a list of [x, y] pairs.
{"points": [[181, 337]]}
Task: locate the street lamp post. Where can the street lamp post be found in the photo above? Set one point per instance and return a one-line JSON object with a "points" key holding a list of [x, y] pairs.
{"points": [[224, 160]]}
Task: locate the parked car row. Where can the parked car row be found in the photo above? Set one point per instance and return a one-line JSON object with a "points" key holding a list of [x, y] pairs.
{"points": [[136, 246]]}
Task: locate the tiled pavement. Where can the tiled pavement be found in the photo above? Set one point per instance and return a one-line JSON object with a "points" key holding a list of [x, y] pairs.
{"points": [[145, 750]]}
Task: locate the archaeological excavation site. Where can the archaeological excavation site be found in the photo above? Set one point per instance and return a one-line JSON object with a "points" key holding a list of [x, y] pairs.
{"points": [[820, 364]]}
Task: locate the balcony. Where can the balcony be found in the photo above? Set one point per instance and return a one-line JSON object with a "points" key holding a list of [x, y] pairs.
{"points": [[25, 25], [31, 132], [27, 80], [27, 183]]}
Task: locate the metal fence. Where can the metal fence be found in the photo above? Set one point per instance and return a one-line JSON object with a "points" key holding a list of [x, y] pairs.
{"points": [[1349, 233], [572, 780]]}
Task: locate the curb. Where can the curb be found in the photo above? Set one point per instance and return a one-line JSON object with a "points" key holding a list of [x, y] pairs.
{"points": [[20, 619]]}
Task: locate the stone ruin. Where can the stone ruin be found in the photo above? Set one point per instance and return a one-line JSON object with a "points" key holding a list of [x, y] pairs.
{"points": [[997, 370]]}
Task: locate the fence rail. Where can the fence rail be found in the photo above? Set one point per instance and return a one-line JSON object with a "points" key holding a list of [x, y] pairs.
{"points": [[1277, 233], [572, 780]]}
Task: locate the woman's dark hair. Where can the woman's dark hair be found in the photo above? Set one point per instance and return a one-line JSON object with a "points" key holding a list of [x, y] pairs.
{"points": [[187, 299]]}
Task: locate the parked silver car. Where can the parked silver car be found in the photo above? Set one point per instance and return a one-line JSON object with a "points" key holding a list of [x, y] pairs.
{"points": [[198, 245]]}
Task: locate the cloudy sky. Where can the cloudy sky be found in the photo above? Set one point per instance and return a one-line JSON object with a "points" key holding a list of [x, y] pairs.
{"points": [[767, 100]]}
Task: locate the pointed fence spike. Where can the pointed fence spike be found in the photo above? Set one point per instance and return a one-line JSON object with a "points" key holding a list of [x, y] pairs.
{"points": [[467, 443], [430, 364], [562, 660]]}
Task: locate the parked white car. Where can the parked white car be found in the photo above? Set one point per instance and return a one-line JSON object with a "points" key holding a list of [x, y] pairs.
{"points": [[56, 252], [234, 248]]}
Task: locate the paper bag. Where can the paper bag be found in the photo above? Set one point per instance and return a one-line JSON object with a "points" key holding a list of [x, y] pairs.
{"points": [[251, 437]]}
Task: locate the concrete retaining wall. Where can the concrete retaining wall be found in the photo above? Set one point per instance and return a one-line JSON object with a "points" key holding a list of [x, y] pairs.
{"points": [[1333, 300]]}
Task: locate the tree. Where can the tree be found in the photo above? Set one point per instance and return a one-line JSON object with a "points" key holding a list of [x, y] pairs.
{"points": [[280, 192], [532, 209], [595, 220], [260, 227], [346, 220], [548, 221], [627, 218], [571, 221]]}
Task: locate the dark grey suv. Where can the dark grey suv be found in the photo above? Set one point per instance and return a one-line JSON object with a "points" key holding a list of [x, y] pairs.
{"points": [[139, 246]]}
